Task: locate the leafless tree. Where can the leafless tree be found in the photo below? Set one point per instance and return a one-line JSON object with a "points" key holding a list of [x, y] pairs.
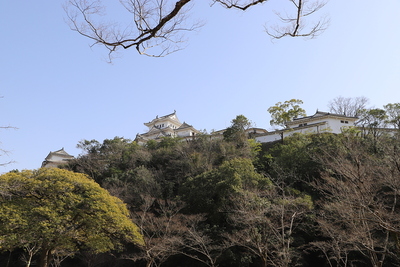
{"points": [[265, 223], [362, 188], [348, 106], [335, 252], [160, 224], [198, 245], [3, 151], [156, 27]]}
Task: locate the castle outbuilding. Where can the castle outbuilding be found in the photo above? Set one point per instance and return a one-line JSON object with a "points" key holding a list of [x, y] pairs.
{"points": [[318, 123], [56, 158]]}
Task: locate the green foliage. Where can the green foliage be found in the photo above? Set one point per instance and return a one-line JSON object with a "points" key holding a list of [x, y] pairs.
{"points": [[294, 159], [112, 158], [237, 130], [169, 142], [152, 144], [373, 118], [372, 122], [132, 185], [255, 149], [92, 146], [267, 221], [61, 210], [284, 112], [210, 191], [393, 114], [119, 164]]}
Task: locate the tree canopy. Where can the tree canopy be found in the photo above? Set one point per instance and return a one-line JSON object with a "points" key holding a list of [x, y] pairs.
{"points": [[55, 210], [237, 130], [284, 112], [229, 179]]}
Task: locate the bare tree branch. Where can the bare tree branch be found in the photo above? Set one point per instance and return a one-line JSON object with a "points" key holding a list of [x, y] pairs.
{"points": [[155, 24], [297, 26], [160, 223], [348, 106], [198, 244], [157, 27], [362, 189], [238, 3], [5, 152]]}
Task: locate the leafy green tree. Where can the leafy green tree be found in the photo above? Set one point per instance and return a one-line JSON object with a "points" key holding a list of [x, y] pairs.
{"points": [[294, 158], [110, 159], [59, 210], [393, 113], [169, 141], [284, 112], [208, 192], [372, 121], [237, 130], [133, 186]]}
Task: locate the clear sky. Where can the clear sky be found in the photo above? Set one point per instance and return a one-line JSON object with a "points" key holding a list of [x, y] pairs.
{"points": [[57, 90]]}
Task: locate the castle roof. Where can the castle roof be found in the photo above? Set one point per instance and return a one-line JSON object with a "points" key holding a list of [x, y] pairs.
{"points": [[61, 153], [55, 158], [170, 117], [317, 116], [184, 125]]}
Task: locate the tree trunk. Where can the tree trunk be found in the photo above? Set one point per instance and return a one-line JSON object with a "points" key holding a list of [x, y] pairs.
{"points": [[45, 257], [30, 256], [28, 262], [264, 261], [8, 260], [149, 263]]}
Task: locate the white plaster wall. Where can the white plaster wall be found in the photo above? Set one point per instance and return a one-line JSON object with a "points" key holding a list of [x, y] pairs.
{"points": [[185, 133], [268, 138], [56, 158], [336, 125], [309, 130], [166, 122]]}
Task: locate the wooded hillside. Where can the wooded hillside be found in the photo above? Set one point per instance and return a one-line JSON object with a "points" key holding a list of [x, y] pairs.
{"points": [[311, 200]]}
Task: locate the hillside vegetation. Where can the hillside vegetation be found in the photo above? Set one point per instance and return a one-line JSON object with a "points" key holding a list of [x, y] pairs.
{"points": [[313, 200], [309, 200]]}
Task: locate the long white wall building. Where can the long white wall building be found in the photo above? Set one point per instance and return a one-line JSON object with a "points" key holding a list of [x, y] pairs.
{"points": [[318, 123]]}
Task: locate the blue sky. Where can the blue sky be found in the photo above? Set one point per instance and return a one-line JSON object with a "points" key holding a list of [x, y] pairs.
{"points": [[58, 90]]}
